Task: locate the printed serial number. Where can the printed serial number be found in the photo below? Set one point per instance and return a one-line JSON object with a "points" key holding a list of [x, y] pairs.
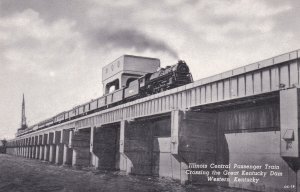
{"points": [[289, 187]]}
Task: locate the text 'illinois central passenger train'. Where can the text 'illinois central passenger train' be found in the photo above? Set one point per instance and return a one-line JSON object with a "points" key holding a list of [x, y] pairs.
{"points": [[148, 84]]}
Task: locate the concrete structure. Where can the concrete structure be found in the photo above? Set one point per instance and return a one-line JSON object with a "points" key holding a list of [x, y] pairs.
{"points": [[246, 116], [126, 68]]}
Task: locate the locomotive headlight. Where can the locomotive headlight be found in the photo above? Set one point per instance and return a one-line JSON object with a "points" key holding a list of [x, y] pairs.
{"points": [[183, 69]]}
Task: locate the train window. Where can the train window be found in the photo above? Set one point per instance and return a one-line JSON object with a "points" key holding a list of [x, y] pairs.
{"points": [[112, 89], [129, 81], [87, 107], [112, 86]]}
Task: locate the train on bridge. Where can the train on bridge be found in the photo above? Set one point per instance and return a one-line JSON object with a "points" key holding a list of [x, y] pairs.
{"points": [[138, 77]]}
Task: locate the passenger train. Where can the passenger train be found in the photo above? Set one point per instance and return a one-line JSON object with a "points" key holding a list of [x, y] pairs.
{"points": [[148, 84]]}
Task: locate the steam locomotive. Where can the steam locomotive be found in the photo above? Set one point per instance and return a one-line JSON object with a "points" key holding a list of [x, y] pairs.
{"points": [[148, 84]]}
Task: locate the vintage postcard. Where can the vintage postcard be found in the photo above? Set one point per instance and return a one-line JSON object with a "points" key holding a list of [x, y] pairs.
{"points": [[134, 95]]}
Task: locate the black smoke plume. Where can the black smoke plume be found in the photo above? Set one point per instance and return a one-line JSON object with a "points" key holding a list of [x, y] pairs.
{"points": [[130, 38]]}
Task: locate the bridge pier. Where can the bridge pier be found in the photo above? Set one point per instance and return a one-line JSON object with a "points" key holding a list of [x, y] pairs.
{"points": [[145, 147], [37, 147], [27, 151], [46, 147], [193, 140], [59, 147], [252, 137], [37, 152], [94, 157], [21, 151], [21, 154], [23, 146], [41, 146], [68, 151], [30, 152], [26, 147], [81, 148], [52, 152], [67, 156], [46, 152], [29, 148], [41, 155], [34, 144], [52, 147], [32, 155], [105, 147], [59, 153], [136, 147]]}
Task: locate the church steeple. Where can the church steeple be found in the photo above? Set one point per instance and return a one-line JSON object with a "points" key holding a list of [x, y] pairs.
{"points": [[23, 121]]}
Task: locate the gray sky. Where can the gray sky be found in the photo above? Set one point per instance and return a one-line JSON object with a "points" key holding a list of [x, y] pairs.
{"points": [[53, 51]]}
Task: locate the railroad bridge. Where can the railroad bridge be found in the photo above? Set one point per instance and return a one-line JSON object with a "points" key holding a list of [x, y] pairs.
{"points": [[248, 116]]}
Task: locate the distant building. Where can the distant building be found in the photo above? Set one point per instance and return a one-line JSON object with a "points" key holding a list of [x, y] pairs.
{"points": [[23, 125], [23, 120]]}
